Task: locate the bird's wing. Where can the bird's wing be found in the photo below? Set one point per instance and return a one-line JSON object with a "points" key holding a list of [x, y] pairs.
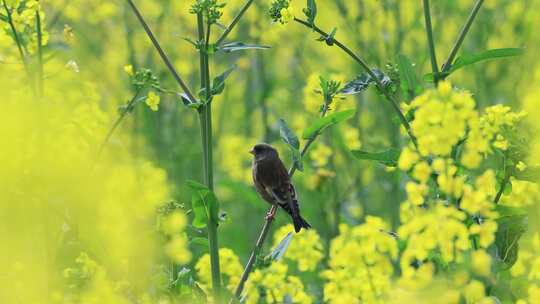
{"points": [[286, 198]]}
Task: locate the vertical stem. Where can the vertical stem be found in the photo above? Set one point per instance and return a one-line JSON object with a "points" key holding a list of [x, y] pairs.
{"points": [[18, 42], [205, 115], [40, 53], [448, 63], [431, 42]]}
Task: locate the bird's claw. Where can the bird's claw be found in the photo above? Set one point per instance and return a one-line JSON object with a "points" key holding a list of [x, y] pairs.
{"points": [[270, 214]]}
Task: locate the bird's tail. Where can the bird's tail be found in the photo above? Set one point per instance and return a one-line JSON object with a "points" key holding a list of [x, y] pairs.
{"points": [[300, 223]]}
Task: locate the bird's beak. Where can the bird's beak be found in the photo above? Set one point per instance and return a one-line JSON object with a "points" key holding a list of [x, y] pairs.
{"points": [[252, 152]]}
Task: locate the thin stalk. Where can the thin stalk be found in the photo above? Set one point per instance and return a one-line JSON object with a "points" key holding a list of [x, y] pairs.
{"points": [[431, 42], [40, 52], [448, 63], [365, 66], [205, 116], [17, 40], [234, 22], [128, 108], [267, 224], [161, 52]]}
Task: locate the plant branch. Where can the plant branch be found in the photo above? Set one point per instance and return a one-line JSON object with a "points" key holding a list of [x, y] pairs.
{"points": [[234, 22], [128, 108], [161, 52], [448, 63], [365, 66], [205, 117], [17, 40], [268, 223], [431, 42]]}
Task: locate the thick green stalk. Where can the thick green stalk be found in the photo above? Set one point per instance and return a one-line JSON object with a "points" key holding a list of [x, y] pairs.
{"points": [[205, 115], [453, 53], [431, 42]]}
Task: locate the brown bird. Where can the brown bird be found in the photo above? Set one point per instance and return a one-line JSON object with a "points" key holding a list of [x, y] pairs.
{"points": [[274, 185]]}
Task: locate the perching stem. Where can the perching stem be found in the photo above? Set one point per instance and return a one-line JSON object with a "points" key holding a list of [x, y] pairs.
{"points": [[268, 223]]}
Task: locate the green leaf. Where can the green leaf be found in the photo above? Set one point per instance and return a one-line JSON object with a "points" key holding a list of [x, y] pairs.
{"points": [[311, 12], [218, 85], [287, 135], [240, 46], [363, 81], [530, 174], [510, 228], [204, 203], [408, 81], [469, 59], [388, 157], [281, 248], [322, 123], [200, 217], [199, 241]]}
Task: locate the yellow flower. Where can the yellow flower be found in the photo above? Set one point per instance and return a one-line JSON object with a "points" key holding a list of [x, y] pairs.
{"points": [[474, 291], [231, 269], [176, 249], [407, 159], [422, 172], [287, 14], [128, 69], [321, 154], [416, 192], [152, 101], [481, 262], [305, 247], [521, 166]]}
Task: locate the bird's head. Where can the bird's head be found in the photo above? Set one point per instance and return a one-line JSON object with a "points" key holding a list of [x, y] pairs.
{"points": [[263, 151]]}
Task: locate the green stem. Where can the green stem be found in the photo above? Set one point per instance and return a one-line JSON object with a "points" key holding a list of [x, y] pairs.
{"points": [[365, 66], [234, 22], [161, 52], [205, 115], [267, 224], [448, 63], [129, 107], [17, 40], [431, 42], [40, 52]]}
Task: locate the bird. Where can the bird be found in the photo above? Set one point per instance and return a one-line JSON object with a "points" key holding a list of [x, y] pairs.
{"points": [[273, 184]]}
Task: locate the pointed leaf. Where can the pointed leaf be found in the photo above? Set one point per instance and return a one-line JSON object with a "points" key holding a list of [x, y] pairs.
{"points": [[203, 200], [510, 228], [388, 158], [281, 248], [287, 135], [363, 81], [469, 59], [408, 81], [322, 123], [240, 46], [218, 85], [311, 12]]}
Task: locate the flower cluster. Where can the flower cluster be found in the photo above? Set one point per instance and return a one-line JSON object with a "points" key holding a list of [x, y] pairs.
{"points": [[281, 11], [305, 248], [231, 269], [360, 266], [176, 248], [274, 285]]}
